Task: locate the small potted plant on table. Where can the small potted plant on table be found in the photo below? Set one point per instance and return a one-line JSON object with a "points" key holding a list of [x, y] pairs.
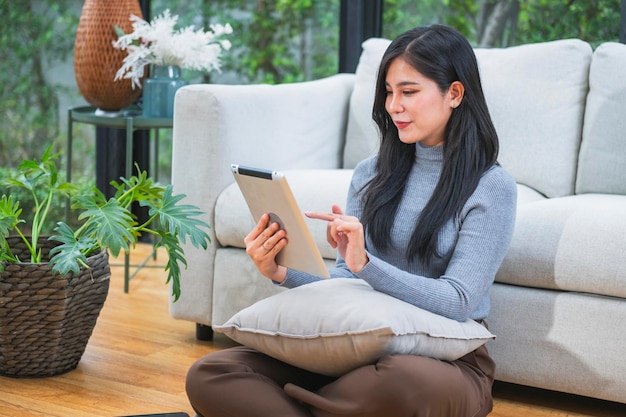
{"points": [[53, 287]]}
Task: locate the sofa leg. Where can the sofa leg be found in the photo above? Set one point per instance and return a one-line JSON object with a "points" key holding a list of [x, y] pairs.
{"points": [[204, 332]]}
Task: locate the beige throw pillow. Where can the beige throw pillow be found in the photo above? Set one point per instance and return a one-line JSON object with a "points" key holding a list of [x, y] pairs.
{"points": [[336, 325]]}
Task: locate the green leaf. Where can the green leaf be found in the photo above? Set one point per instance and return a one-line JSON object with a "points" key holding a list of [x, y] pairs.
{"points": [[180, 220], [9, 215], [112, 225], [70, 254], [5, 253], [29, 165], [19, 182], [175, 254], [137, 188]]}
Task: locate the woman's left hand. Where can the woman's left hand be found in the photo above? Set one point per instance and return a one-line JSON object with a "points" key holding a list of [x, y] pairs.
{"points": [[263, 244], [346, 234]]}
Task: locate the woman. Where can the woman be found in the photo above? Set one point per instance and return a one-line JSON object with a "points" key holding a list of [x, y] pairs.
{"points": [[428, 221]]}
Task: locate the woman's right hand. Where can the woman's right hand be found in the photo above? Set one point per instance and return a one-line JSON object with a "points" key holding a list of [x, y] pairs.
{"points": [[345, 233], [263, 244]]}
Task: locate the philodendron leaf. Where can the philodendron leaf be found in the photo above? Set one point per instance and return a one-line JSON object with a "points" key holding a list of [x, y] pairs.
{"points": [[175, 254], [180, 220], [70, 254], [5, 254], [9, 215], [137, 188], [110, 224]]}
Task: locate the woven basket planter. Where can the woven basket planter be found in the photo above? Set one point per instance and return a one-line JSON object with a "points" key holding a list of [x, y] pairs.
{"points": [[46, 320]]}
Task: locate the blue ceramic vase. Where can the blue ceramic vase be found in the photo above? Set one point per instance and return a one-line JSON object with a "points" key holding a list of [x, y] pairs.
{"points": [[159, 91]]}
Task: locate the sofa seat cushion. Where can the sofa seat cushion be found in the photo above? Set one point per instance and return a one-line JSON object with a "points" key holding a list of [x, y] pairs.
{"points": [[314, 190], [526, 194], [574, 243]]}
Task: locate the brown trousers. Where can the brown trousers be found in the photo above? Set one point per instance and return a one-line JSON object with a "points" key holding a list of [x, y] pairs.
{"points": [[241, 382]]}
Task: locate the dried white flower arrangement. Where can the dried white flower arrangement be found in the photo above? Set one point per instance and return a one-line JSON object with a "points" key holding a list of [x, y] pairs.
{"points": [[159, 43]]}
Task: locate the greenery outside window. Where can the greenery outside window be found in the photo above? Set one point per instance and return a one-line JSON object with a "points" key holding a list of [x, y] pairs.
{"points": [[502, 23], [274, 41]]}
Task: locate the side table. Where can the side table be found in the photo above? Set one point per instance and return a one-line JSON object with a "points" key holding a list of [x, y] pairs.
{"points": [[130, 119]]}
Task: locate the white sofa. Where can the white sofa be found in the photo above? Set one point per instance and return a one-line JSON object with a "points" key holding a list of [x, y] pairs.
{"points": [[559, 301]]}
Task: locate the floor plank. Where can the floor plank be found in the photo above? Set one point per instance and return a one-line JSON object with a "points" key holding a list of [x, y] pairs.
{"points": [[137, 358]]}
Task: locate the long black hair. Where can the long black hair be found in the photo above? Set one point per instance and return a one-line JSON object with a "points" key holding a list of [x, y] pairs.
{"points": [[470, 144]]}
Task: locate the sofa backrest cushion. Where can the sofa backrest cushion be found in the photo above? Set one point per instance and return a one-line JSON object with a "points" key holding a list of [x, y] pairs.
{"points": [[602, 161], [362, 138], [536, 95]]}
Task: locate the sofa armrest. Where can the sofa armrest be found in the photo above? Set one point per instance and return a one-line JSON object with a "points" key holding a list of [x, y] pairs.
{"points": [[299, 125]]}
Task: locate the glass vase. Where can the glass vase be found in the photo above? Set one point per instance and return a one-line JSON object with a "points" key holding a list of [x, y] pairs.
{"points": [[159, 91]]}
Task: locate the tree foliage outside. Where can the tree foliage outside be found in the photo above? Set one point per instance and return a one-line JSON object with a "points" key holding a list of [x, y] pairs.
{"points": [[502, 23], [33, 34], [274, 41]]}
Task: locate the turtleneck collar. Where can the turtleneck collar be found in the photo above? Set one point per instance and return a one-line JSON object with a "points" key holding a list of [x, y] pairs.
{"points": [[428, 153]]}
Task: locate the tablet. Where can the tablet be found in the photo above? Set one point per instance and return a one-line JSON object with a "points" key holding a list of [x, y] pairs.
{"points": [[268, 192]]}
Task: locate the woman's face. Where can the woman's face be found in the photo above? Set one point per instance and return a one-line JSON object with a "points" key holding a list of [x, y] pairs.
{"points": [[418, 108]]}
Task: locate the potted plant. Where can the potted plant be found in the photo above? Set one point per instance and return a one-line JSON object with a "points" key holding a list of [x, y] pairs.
{"points": [[53, 287]]}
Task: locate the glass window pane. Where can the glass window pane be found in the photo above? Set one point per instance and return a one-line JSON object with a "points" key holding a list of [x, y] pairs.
{"points": [[274, 41], [501, 23]]}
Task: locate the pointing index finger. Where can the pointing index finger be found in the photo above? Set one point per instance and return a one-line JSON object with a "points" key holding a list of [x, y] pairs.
{"points": [[321, 216]]}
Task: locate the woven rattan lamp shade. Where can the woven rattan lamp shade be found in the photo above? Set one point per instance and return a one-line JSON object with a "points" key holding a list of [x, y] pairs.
{"points": [[96, 61]]}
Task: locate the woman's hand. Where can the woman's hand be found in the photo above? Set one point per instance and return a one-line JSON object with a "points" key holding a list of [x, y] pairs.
{"points": [[263, 244], [346, 234]]}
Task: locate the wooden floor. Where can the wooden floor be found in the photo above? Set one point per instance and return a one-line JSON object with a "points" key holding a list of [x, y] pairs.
{"points": [[137, 357]]}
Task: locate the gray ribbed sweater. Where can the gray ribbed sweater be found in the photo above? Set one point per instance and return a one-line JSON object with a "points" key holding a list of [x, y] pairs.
{"points": [[473, 244]]}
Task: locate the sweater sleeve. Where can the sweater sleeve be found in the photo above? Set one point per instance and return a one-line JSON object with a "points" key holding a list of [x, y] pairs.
{"points": [[485, 230]]}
